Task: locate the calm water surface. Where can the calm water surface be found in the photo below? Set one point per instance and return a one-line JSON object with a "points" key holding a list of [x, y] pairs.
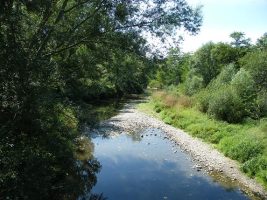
{"points": [[149, 168]]}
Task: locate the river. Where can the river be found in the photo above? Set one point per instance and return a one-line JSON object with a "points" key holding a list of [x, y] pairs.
{"points": [[140, 162]]}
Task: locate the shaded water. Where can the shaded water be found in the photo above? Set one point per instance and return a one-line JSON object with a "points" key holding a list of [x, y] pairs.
{"points": [[149, 167]]}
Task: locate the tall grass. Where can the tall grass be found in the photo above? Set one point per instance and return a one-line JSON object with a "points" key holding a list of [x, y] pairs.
{"points": [[245, 142]]}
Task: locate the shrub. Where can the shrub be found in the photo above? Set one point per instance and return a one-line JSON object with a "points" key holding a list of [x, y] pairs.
{"points": [[203, 98], [172, 89], [203, 131], [226, 105], [263, 125], [170, 100], [241, 148], [225, 77], [256, 64], [157, 108], [193, 85], [183, 102], [261, 103], [154, 84], [254, 165], [158, 95], [244, 86]]}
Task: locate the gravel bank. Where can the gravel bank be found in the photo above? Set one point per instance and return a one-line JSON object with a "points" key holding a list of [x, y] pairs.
{"points": [[209, 159]]}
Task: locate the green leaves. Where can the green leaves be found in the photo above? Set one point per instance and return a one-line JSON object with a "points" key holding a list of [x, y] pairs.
{"points": [[55, 56], [239, 40]]}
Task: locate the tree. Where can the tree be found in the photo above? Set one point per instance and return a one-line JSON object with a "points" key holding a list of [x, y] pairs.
{"points": [[262, 42], [255, 63], [239, 40], [50, 53], [204, 64]]}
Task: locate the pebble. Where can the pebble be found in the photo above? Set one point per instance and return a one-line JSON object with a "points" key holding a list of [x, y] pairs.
{"points": [[136, 121]]}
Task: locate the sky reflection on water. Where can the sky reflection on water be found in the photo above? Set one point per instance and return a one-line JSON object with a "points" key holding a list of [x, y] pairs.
{"points": [[135, 168]]}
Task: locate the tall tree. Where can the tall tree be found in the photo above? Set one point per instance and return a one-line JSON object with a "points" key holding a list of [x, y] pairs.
{"points": [[49, 50], [262, 42], [239, 40]]}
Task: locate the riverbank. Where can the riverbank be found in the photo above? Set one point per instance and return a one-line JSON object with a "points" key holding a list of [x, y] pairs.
{"points": [[130, 119]]}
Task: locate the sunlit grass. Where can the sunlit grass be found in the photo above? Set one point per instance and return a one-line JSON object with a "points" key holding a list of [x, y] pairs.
{"points": [[245, 142]]}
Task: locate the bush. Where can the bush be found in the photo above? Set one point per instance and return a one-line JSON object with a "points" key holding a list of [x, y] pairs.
{"points": [[203, 98], [184, 102], [205, 132], [157, 108], [263, 125], [256, 64], [244, 86], [226, 105], [241, 148], [225, 77], [261, 103], [193, 85], [254, 166], [170, 100], [158, 95], [154, 84]]}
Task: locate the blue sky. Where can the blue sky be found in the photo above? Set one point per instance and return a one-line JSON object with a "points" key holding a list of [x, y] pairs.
{"points": [[222, 17]]}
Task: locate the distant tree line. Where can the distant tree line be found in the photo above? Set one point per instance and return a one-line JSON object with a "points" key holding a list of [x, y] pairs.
{"points": [[227, 80]]}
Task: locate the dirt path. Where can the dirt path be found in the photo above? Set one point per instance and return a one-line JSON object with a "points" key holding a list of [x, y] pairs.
{"points": [[209, 159]]}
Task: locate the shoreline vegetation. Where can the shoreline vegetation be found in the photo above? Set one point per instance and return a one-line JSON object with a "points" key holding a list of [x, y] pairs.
{"points": [[244, 142], [139, 115], [56, 57], [219, 94]]}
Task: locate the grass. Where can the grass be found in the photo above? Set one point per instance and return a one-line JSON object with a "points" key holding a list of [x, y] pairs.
{"points": [[245, 142]]}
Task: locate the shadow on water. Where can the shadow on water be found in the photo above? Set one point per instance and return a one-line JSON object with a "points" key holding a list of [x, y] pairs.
{"points": [[65, 178], [45, 167]]}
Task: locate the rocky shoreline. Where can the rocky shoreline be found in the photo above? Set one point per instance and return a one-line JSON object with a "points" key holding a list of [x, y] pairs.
{"points": [[129, 119]]}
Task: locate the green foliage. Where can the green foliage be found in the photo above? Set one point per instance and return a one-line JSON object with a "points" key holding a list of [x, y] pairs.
{"points": [[226, 105], [222, 80], [223, 54], [193, 84], [245, 87], [239, 40], [173, 69], [225, 77], [256, 166], [210, 59], [242, 148], [203, 98], [232, 96], [261, 103], [256, 64], [227, 84], [243, 142], [55, 57], [262, 42], [203, 63]]}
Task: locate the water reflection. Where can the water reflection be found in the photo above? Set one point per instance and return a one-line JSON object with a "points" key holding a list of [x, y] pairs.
{"points": [[148, 167], [42, 175]]}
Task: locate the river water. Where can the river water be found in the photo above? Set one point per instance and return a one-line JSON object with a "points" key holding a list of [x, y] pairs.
{"points": [[147, 166]]}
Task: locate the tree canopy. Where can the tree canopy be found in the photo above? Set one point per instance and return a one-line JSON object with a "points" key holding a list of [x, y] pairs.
{"points": [[55, 57]]}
